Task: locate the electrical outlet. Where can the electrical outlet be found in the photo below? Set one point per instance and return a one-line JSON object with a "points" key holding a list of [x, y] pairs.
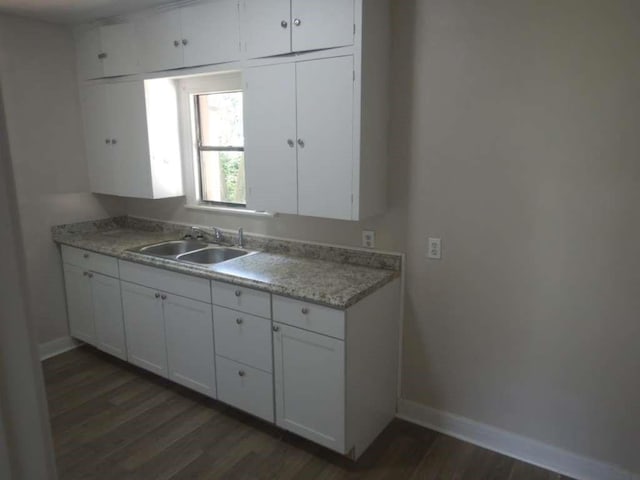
{"points": [[369, 239], [434, 248]]}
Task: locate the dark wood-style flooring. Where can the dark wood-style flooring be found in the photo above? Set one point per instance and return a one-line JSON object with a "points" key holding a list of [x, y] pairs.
{"points": [[113, 421]]}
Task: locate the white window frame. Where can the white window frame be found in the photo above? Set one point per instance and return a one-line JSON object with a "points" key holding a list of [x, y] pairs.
{"points": [[188, 88]]}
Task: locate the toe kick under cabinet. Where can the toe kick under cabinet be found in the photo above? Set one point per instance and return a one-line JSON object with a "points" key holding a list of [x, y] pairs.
{"points": [[326, 374]]}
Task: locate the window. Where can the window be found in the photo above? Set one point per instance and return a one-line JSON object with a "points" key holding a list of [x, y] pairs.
{"points": [[220, 148]]}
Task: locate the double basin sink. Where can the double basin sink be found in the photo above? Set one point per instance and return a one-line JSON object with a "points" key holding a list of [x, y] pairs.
{"points": [[193, 251]]}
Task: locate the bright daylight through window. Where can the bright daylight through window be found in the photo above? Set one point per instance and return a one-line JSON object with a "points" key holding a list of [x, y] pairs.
{"points": [[220, 140]]}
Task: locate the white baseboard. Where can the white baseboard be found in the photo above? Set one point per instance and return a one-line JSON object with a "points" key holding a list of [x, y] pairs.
{"points": [[510, 444], [56, 347]]}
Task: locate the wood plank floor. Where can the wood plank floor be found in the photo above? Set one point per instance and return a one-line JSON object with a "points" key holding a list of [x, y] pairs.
{"points": [[113, 421]]}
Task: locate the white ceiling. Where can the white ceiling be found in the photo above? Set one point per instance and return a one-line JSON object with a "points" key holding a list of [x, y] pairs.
{"points": [[74, 11]]}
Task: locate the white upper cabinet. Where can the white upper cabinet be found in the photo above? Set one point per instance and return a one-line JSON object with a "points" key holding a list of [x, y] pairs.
{"points": [[107, 51], [200, 34], [272, 27], [159, 38], [270, 141], [210, 32], [301, 161], [325, 138], [265, 27], [132, 139], [325, 24]]}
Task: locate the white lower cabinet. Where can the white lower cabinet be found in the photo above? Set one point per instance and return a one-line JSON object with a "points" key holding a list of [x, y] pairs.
{"points": [[189, 332], [309, 385], [95, 309], [107, 313], [144, 324], [246, 388], [326, 374], [79, 304]]}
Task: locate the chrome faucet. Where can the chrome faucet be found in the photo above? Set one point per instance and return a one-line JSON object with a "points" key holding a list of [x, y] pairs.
{"points": [[217, 234], [196, 233], [241, 238]]}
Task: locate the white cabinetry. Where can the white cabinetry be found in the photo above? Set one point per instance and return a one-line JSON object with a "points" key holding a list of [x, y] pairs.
{"points": [[107, 51], [93, 300], [303, 163], [169, 334], [189, 331], [200, 34], [144, 325], [131, 138], [335, 371], [272, 27], [309, 384]]}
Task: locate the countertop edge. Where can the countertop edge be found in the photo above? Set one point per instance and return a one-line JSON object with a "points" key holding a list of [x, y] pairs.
{"points": [[207, 274]]}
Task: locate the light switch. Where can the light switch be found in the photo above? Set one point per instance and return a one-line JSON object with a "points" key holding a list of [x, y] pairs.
{"points": [[434, 249]]}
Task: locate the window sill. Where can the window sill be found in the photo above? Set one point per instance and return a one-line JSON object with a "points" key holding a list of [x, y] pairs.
{"points": [[229, 211]]}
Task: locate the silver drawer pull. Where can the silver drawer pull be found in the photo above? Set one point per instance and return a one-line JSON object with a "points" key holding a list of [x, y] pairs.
{"points": [[239, 321], [85, 274], [284, 24], [297, 22], [157, 295], [305, 311], [163, 296], [90, 275], [241, 373], [86, 255], [238, 293], [276, 328]]}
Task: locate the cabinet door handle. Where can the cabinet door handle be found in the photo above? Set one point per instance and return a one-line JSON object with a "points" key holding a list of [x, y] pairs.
{"points": [[301, 143], [102, 56], [291, 143], [185, 42], [276, 328], [157, 295], [241, 373], [163, 297], [176, 43], [86, 255], [85, 274], [305, 311], [114, 141], [90, 275], [108, 141], [238, 293], [239, 321], [284, 24], [297, 22]]}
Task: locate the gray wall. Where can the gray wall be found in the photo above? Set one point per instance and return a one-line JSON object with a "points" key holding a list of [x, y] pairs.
{"points": [[515, 139], [37, 72]]}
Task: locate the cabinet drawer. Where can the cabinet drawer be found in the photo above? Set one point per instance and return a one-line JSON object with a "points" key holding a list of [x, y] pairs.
{"points": [[170, 282], [315, 318], [90, 261], [243, 337], [242, 299], [245, 388]]}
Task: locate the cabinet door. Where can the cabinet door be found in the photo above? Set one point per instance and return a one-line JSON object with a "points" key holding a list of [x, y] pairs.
{"points": [[107, 312], [211, 33], [102, 171], [144, 327], [270, 135], [266, 27], [88, 50], [189, 330], [324, 24], [127, 118], [309, 382], [119, 49], [79, 304], [325, 133], [159, 40]]}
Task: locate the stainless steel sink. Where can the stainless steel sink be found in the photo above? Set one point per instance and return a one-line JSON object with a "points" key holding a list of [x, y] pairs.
{"points": [[174, 248], [213, 255], [193, 251]]}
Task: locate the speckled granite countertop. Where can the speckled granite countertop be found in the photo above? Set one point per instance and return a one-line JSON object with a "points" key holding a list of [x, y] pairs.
{"points": [[321, 281]]}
